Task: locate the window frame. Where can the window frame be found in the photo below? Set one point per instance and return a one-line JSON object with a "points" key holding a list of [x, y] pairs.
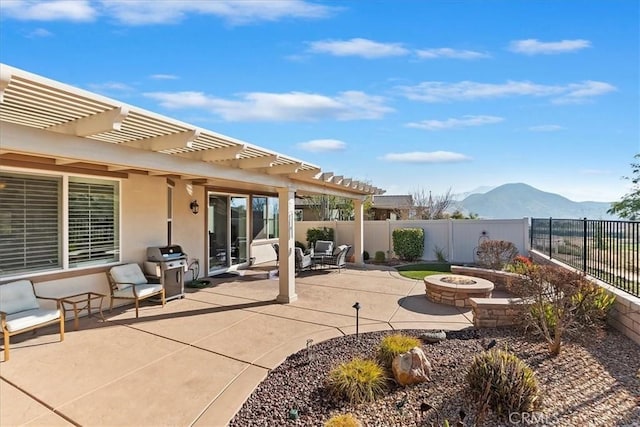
{"points": [[63, 211], [268, 218]]}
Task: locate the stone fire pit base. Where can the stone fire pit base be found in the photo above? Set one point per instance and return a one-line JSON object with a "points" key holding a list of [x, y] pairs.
{"points": [[456, 290]]}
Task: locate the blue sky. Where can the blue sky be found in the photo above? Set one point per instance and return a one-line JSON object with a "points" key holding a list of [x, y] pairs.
{"points": [[407, 95]]}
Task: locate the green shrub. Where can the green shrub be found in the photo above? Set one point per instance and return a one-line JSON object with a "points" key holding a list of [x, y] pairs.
{"points": [[440, 255], [592, 303], [315, 234], [380, 256], [357, 381], [520, 265], [408, 243], [393, 345], [365, 256], [499, 380], [343, 420]]}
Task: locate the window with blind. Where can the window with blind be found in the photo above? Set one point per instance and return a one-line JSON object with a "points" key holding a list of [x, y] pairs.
{"points": [[30, 223], [93, 233], [32, 214]]}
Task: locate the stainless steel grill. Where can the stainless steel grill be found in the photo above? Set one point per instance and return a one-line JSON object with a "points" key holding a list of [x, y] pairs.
{"points": [[167, 264]]}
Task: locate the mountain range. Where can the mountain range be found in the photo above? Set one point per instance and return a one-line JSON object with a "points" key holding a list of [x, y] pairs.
{"points": [[519, 200]]}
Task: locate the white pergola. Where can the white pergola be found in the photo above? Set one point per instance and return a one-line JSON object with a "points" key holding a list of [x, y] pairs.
{"points": [[48, 124]]}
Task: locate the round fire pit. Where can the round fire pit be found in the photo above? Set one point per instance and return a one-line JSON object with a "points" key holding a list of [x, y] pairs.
{"points": [[454, 289]]}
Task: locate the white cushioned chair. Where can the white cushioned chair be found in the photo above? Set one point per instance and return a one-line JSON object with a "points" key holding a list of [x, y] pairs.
{"points": [[128, 282], [323, 247], [20, 311], [339, 258], [303, 262]]}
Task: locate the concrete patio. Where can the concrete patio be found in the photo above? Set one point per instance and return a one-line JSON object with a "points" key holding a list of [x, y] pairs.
{"points": [[194, 362]]}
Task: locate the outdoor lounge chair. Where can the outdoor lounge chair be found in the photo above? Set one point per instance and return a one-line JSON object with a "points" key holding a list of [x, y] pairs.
{"points": [[322, 247], [303, 262], [276, 247], [321, 251], [128, 282], [339, 258], [20, 311]]}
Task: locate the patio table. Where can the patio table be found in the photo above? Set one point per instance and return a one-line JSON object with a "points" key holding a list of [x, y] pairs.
{"points": [[75, 303]]}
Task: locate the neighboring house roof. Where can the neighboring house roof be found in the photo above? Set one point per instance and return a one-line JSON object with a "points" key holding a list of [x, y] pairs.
{"points": [[30, 100], [392, 201]]}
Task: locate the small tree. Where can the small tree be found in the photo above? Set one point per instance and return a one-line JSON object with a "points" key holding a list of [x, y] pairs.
{"points": [[426, 206], [495, 254], [629, 206], [560, 301]]}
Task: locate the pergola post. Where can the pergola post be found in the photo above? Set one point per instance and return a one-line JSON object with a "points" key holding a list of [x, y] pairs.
{"points": [[286, 222], [358, 232]]}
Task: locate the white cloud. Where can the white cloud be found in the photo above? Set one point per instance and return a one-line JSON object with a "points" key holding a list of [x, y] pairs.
{"points": [[110, 87], [291, 106], [446, 52], [143, 12], [358, 47], [426, 157], [323, 145], [55, 10], [163, 77], [545, 128], [468, 91], [578, 93], [535, 47], [465, 121], [39, 33]]}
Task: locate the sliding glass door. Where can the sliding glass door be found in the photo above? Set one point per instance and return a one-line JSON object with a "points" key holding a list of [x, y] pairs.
{"points": [[238, 230], [227, 227]]}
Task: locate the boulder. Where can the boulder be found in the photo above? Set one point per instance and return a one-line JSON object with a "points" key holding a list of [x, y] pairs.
{"points": [[411, 367], [431, 337]]}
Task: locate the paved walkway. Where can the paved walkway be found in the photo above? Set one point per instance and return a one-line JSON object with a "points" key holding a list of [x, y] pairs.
{"points": [[196, 361]]}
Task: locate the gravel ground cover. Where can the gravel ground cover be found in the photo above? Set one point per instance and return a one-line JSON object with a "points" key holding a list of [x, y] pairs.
{"points": [[595, 381]]}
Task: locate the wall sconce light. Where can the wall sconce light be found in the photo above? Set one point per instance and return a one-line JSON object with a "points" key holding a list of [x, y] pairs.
{"points": [[195, 207]]}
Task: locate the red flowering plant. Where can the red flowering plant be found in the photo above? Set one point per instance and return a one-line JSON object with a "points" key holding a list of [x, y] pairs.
{"points": [[520, 264]]}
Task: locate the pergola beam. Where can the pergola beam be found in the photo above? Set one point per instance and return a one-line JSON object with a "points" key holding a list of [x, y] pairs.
{"points": [[5, 78], [94, 124], [284, 169], [218, 154], [65, 161], [257, 162], [166, 142]]}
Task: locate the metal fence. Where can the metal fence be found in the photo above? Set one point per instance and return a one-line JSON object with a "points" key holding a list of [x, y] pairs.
{"points": [[607, 250]]}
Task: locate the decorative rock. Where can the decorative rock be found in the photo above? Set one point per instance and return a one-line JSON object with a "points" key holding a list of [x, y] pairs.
{"points": [[431, 337], [411, 367]]}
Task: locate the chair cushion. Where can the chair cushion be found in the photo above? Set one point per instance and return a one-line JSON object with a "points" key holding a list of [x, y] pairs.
{"points": [[323, 247], [17, 296], [142, 290], [29, 318], [126, 275]]}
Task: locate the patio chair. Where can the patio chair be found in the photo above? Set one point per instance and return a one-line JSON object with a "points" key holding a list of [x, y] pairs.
{"points": [[303, 262], [339, 258], [20, 311], [276, 247], [128, 282], [321, 251], [322, 247]]}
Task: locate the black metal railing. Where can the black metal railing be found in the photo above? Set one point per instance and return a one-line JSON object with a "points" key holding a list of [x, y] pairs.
{"points": [[606, 250]]}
